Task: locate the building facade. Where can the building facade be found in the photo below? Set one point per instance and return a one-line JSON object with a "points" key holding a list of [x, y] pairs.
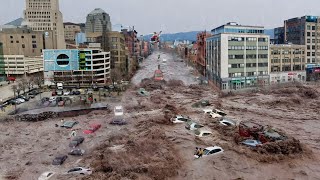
{"points": [[21, 65], [238, 57], [304, 31], [23, 41], [70, 32], [80, 67], [201, 51], [279, 35], [45, 16]]}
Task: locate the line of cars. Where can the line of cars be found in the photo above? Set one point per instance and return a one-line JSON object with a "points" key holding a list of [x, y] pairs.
{"points": [[21, 98]]}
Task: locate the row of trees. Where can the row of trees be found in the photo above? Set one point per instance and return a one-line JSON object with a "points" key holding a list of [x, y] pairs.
{"points": [[26, 83]]}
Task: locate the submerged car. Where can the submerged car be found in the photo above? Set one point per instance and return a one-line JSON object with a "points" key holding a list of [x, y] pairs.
{"points": [[214, 150], [76, 141], [118, 111], [216, 113], [143, 92], [227, 122], [80, 170], [193, 126], [69, 124], [59, 160], [202, 133], [46, 175], [252, 143], [180, 119], [93, 128], [118, 121], [76, 152]]}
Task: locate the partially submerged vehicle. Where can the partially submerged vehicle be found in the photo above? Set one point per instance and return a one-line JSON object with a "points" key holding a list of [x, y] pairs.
{"points": [[202, 103], [251, 143], [80, 170], [69, 124], [227, 122], [202, 133], [143, 92], [213, 150], [193, 126], [118, 111], [180, 119], [46, 175], [77, 152], [59, 160], [216, 113], [118, 121], [93, 128], [76, 141]]}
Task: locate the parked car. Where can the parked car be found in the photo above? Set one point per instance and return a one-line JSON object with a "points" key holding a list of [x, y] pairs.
{"points": [[54, 93], [59, 160], [214, 150], [69, 124], [76, 152], [20, 100], [118, 121], [61, 103], [80, 170], [60, 93], [76, 92], [26, 98], [46, 175], [67, 93], [180, 119], [76, 141], [202, 133], [52, 99], [252, 143], [193, 126], [227, 122], [93, 128], [118, 111]]}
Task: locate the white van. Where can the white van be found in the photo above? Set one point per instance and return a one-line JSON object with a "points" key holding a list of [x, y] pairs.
{"points": [[60, 86]]}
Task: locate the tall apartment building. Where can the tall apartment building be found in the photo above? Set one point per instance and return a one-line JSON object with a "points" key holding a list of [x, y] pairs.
{"points": [[238, 56], [44, 15], [95, 22], [304, 31], [287, 63], [70, 32], [21, 50], [279, 35], [83, 67]]}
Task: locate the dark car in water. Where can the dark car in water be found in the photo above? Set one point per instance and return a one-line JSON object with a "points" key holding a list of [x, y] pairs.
{"points": [[59, 160], [118, 121], [76, 152], [76, 141]]}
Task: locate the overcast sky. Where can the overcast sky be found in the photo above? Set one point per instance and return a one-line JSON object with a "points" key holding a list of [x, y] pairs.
{"points": [[177, 15]]}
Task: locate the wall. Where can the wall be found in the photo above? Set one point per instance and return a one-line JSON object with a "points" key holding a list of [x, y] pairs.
{"points": [[50, 60]]}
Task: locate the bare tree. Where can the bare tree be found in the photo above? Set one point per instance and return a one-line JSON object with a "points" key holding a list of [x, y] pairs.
{"points": [[38, 80], [30, 83], [14, 89], [18, 90], [23, 84], [116, 75]]}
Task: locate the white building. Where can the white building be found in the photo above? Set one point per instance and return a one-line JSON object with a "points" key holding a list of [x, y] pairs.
{"points": [[21, 65], [238, 56]]}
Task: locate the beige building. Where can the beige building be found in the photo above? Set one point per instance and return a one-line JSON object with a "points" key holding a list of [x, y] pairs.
{"points": [[21, 65], [287, 57], [117, 49], [45, 16], [23, 41], [70, 31]]}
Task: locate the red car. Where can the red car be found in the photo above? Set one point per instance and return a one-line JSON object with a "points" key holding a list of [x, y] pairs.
{"points": [[93, 128], [158, 75]]}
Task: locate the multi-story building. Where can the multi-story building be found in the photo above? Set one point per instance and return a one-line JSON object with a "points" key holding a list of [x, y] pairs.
{"points": [[201, 51], [70, 32], [80, 67], [96, 21], [287, 63], [304, 31], [131, 44], [21, 50], [24, 41], [238, 56], [45, 16], [279, 35]]}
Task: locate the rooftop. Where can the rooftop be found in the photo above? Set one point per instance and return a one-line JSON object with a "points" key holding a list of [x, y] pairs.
{"points": [[97, 11]]}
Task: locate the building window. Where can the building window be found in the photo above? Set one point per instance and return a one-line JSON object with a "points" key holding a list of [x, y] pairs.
{"points": [[308, 34], [33, 36], [11, 41], [17, 41], [11, 37], [34, 46], [114, 39], [34, 42], [22, 37], [23, 46]]}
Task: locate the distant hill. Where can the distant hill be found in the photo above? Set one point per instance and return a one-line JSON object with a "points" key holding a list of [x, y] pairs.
{"points": [[191, 36]]}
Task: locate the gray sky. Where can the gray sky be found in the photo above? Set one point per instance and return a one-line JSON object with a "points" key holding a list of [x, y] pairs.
{"points": [[177, 15]]}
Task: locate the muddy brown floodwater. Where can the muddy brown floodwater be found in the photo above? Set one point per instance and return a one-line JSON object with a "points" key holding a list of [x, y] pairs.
{"points": [[150, 147]]}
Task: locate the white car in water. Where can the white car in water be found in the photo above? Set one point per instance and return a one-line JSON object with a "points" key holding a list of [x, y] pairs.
{"points": [[80, 170], [202, 133], [228, 122], [216, 113], [180, 119], [193, 126], [46, 175], [118, 111], [214, 150]]}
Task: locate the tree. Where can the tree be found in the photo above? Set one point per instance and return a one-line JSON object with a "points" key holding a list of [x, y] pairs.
{"points": [[38, 80], [14, 89], [23, 84], [115, 75], [30, 83]]}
